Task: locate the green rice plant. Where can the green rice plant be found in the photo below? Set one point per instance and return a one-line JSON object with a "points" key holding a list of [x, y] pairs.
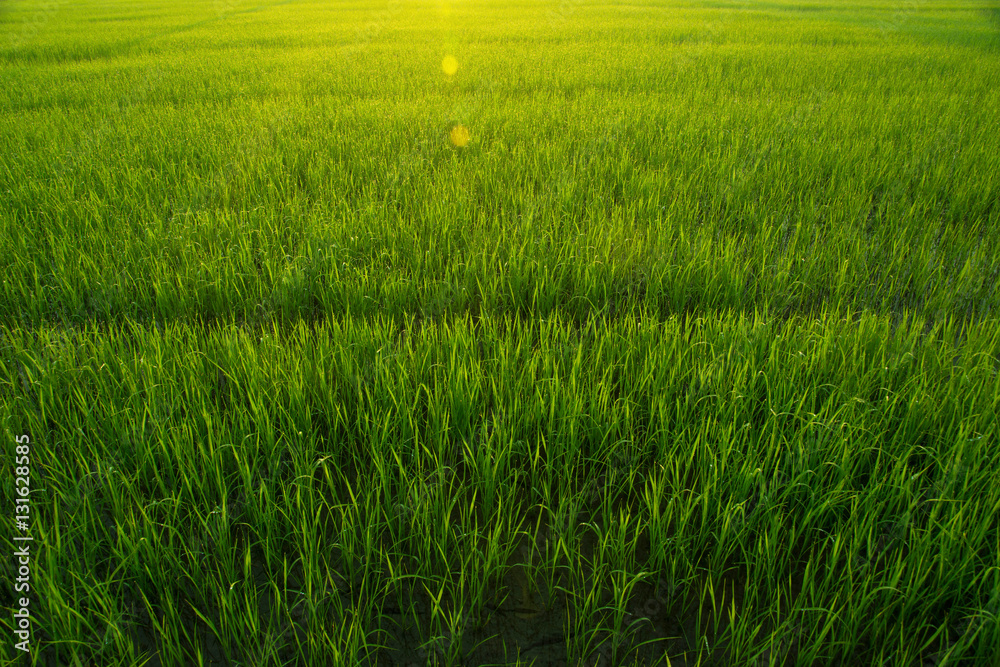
{"points": [[469, 333]]}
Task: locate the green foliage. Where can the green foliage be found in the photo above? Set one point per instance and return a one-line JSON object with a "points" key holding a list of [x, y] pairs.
{"points": [[690, 353]]}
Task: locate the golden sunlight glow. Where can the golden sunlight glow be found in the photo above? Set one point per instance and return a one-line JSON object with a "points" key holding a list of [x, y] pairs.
{"points": [[460, 136], [449, 65]]}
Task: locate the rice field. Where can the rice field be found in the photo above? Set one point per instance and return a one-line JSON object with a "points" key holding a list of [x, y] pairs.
{"points": [[460, 332]]}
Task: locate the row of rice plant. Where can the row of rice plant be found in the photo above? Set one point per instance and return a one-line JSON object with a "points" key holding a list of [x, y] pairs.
{"points": [[315, 492], [172, 183]]}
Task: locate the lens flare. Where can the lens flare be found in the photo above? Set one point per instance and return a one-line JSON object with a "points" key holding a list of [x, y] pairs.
{"points": [[460, 136], [449, 65]]}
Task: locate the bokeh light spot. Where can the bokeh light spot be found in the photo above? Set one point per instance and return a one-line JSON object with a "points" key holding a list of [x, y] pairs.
{"points": [[449, 65], [460, 136]]}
